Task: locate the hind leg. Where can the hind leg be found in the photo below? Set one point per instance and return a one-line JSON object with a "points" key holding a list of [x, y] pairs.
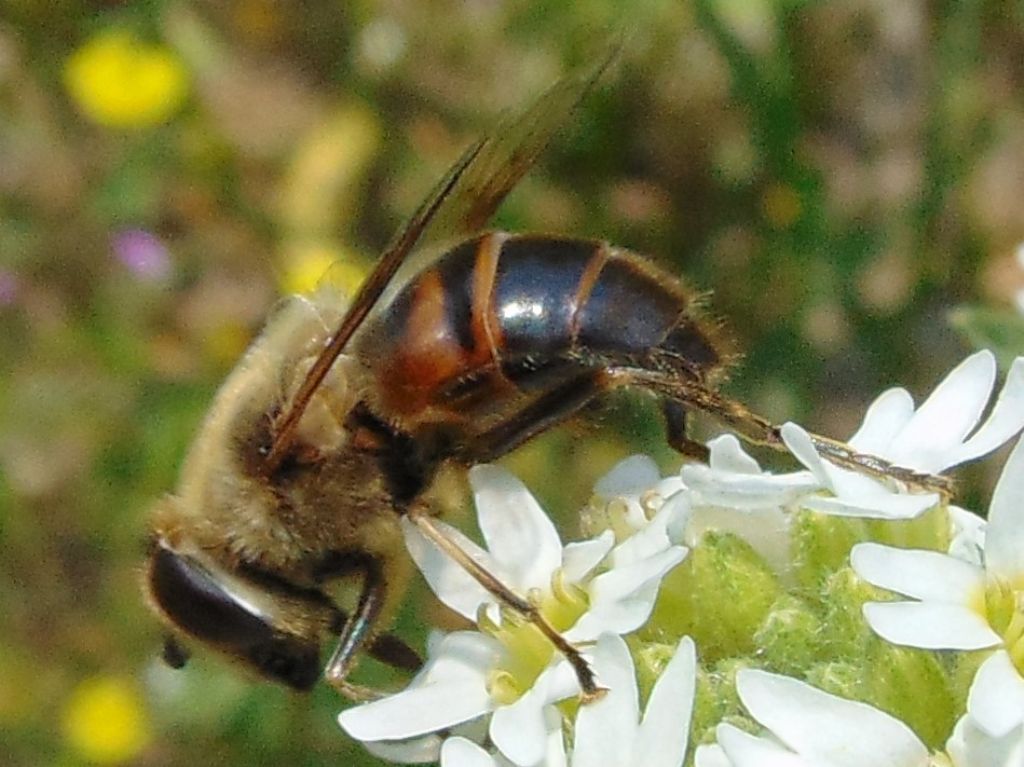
{"points": [[675, 432], [758, 430]]}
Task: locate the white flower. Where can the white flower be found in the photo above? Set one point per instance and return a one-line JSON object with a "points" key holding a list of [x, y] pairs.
{"points": [[510, 671], [971, 746], [808, 727], [733, 494], [939, 435], [610, 731], [962, 605]]}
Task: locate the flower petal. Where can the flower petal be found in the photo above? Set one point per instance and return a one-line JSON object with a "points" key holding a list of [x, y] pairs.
{"points": [[826, 729], [1004, 534], [520, 537], [665, 729], [968, 541], [580, 558], [412, 751], [939, 426], [459, 752], [728, 456], [996, 699], [1005, 420], [873, 505], [886, 416], [520, 730], [630, 476], [711, 756], [606, 729], [971, 746], [458, 669], [930, 625], [746, 750], [418, 710], [928, 575], [619, 601], [652, 538], [447, 579], [842, 482]]}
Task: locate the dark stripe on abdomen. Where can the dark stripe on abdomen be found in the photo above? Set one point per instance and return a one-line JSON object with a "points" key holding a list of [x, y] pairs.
{"points": [[631, 308]]}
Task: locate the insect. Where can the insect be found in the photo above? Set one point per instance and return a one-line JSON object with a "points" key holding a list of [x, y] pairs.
{"points": [[461, 345]]}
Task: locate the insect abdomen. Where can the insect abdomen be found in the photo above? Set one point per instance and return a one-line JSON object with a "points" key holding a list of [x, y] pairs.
{"points": [[506, 313]]}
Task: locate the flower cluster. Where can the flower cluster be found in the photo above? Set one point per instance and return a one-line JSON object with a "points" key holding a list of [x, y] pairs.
{"points": [[838, 619]]}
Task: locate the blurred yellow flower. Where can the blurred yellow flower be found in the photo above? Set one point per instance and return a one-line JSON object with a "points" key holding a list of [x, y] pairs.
{"points": [[311, 265], [121, 81], [105, 721]]}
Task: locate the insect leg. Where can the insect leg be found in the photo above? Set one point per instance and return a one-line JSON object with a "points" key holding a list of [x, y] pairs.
{"points": [[540, 415], [757, 429], [675, 431], [426, 524], [356, 632]]}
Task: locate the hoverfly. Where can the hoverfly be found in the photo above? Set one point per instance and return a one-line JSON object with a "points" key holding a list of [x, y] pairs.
{"points": [[461, 345]]}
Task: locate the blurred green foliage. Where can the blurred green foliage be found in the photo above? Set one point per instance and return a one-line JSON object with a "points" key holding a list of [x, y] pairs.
{"points": [[840, 174]]}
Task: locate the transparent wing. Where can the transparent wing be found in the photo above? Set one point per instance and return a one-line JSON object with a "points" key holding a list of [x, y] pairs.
{"points": [[461, 203]]}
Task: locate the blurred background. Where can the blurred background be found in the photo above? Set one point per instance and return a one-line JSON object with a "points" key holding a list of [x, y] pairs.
{"points": [[845, 177]]}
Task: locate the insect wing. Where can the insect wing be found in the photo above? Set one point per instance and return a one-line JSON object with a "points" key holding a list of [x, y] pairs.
{"points": [[509, 152]]}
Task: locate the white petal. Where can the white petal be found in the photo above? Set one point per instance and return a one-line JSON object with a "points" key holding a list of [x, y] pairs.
{"points": [[665, 729], [631, 476], [746, 750], [1005, 420], [826, 729], [928, 575], [520, 730], [800, 445], [520, 537], [606, 729], [459, 752], [711, 756], [418, 710], [968, 541], [622, 598], [449, 580], [1004, 534], [886, 416], [943, 421], [874, 505], [971, 746], [652, 538], [579, 558], [617, 617], [747, 491], [996, 699], [728, 455], [413, 751], [554, 755], [930, 625], [767, 530], [458, 669]]}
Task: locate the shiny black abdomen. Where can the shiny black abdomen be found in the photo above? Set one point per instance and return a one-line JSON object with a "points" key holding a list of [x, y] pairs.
{"points": [[521, 313]]}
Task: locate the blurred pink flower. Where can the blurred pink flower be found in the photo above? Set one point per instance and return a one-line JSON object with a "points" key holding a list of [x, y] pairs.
{"points": [[10, 286], [143, 253]]}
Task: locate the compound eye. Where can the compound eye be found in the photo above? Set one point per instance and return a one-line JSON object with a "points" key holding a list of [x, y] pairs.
{"points": [[190, 596], [192, 599]]}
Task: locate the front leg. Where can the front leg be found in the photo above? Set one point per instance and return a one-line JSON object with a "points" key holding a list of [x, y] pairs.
{"points": [[357, 632], [420, 517]]}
